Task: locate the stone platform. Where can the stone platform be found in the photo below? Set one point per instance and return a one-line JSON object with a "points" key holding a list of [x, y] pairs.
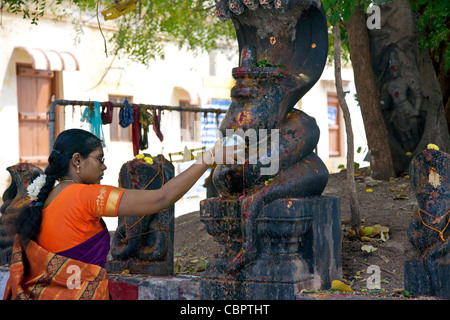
{"points": [[187, 287], [299, 245], [279, 275], [141, 287]]}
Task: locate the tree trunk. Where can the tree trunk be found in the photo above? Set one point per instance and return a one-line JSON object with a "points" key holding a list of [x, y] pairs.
{"points": [[447, 114], [351, 184], [377, 136], [410, 93]]}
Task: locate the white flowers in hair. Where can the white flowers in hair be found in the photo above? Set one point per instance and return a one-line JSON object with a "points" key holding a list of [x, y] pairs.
{"points": [[34, 188]]}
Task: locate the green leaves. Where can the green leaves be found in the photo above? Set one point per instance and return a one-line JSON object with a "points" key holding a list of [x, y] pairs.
{"points": [[192, 24], [143, 33], [341, 10], [265, 63], [33, 9], [433, 23]]}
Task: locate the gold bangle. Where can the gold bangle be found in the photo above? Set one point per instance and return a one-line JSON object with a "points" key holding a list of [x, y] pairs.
{"points": [[212, 156]]}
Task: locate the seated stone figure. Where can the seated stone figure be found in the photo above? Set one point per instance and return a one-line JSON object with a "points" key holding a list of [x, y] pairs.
{"points": [[290, 38], [144, 244], [429, 230]]}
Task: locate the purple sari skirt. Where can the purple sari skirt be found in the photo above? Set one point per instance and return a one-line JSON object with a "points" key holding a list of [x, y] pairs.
{"points": [[93, 251]]}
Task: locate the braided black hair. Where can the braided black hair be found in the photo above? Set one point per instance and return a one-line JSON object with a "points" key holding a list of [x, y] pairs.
{"points": [[28, 223]]}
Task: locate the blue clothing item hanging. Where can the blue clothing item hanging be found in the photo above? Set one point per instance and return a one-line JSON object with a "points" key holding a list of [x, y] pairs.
{"points": [[93, 116], [126, 115]]}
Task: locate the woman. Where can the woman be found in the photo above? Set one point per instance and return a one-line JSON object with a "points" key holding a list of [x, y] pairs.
{"points": [[62, 242]]}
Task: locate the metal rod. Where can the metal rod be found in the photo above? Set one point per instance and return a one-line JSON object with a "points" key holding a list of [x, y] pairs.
{"points": [[52, 116]]}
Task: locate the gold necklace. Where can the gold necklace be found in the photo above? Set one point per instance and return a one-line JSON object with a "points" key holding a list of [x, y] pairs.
{"points": [[67, 180]]}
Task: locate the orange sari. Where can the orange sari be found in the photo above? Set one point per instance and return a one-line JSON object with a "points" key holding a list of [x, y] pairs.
{"points": [[67, 260], [37, 274]]}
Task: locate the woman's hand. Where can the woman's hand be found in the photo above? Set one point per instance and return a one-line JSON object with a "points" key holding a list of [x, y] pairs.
{"points": [[227, 155], [142, 202]]}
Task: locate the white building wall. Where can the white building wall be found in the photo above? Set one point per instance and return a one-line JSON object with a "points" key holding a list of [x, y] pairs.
{"points": [[315, 104], [100, 76]]}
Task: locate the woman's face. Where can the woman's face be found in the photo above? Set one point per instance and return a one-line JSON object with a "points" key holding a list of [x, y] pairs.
{"points": [[92, 168]]}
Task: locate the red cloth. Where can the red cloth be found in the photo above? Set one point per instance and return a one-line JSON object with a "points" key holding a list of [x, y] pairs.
{"points": [[107, 112], [157, 125], [135, 130]]}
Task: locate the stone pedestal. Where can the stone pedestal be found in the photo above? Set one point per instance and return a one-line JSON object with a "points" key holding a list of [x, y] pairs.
{"points": [[284, 241], [418, 280], [299, 248]]}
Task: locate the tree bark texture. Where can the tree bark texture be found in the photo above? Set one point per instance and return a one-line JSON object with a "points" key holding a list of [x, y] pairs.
{"points": [[377, 136], [447, 114], [409, 90]]}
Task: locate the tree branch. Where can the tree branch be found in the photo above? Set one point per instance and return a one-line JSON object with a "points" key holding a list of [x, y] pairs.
{"points": [[351, 184]]}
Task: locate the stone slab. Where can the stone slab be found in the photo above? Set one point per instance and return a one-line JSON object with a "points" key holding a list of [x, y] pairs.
{"points": [[133, 287], [214, 289], [141, 287], [4, 276], [417, 279]]}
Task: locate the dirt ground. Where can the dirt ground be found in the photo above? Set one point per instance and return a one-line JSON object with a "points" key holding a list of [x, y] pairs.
{"points": [[389, 204]]}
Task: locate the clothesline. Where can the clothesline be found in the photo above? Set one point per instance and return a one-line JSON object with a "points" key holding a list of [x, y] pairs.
{"points": [[52, 116]]}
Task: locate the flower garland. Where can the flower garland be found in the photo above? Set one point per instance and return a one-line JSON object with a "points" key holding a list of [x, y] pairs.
{"points": [[34, 188], [149, 160]]}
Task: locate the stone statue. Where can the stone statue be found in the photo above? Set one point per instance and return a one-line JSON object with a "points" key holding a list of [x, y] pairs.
{"points": [[283, 48], [429, 231], [144, 244], [14, 198], [263, 98], [401, 101]]}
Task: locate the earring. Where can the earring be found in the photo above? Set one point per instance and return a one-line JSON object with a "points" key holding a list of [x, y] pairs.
{"points": [[78, 169]]}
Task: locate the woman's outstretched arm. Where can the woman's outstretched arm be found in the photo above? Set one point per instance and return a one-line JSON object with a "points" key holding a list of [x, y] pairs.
{"points": [[143, 202]]}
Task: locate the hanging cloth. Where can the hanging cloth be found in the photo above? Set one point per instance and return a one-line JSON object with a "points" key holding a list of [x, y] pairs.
{"points": [[135, 132], [107, 112], [157, 124], [217, 118], [126, 115], [145, 120], [93, 116]]}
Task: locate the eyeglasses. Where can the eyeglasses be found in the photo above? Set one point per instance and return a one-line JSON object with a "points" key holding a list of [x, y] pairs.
{"points": [[100, 160]]}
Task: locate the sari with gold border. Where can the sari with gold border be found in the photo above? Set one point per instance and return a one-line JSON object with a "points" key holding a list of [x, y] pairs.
{"points": [[76, 272], [37, 274]]}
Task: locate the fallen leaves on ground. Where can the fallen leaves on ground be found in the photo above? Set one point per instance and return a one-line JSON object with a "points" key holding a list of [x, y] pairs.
{"points": [[376, 233], [338, 285], [182, 266]]}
